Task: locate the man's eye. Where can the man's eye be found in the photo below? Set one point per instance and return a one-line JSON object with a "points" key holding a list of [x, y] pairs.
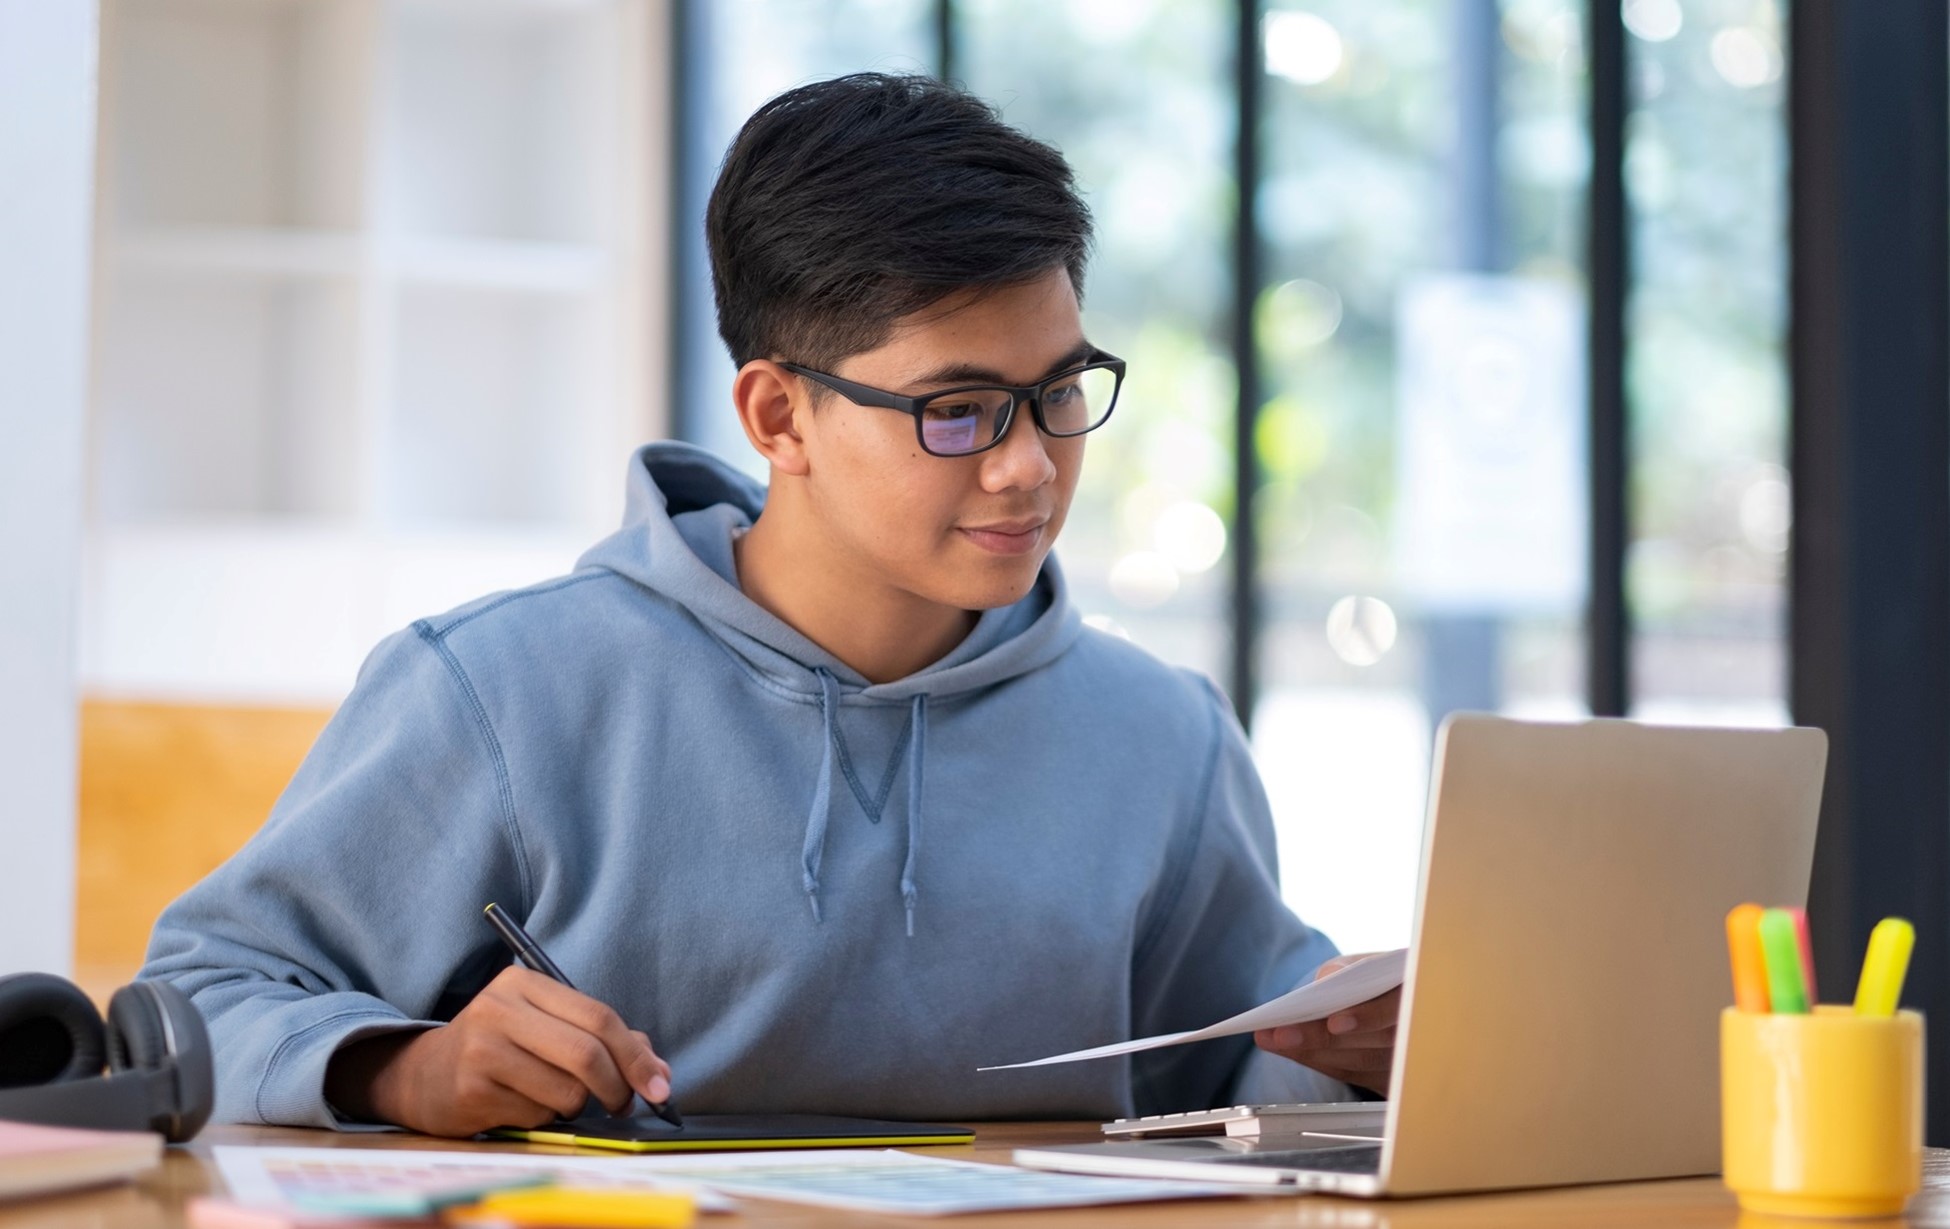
{"points": [[936, 411], [1060, 393]]}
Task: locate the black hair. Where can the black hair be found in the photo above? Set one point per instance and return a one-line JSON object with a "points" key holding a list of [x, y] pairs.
{"points": [[847, 204]]}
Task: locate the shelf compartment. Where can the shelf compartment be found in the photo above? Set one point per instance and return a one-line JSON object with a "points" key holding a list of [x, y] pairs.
{"points": [[220, 395], [245, 113], [499, 407], [503, 121]]}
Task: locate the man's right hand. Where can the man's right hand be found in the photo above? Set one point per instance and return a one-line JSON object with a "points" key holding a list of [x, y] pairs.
{"points": [[526, 1050]]}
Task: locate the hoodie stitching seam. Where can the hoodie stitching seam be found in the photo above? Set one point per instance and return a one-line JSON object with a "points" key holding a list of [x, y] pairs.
{"points": [[504, 788], [846, 768], [894, 764], [1182, 852], [504, 599], [875, 806]]}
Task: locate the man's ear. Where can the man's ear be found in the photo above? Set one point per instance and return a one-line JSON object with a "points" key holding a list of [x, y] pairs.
{"points": [[769, 400]]}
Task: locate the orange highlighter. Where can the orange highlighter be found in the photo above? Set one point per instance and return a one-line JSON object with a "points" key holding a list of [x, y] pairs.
{"points": [[1749, 969]]}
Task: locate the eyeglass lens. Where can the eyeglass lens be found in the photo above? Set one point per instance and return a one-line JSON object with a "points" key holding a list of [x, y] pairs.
{"points": [[970, 420]]}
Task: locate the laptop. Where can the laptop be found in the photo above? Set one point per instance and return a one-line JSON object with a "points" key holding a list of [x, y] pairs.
{"points": [[1560, 1017]]}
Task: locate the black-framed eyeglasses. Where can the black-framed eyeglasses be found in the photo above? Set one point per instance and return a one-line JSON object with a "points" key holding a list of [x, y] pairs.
{"points": [[959, 422]]}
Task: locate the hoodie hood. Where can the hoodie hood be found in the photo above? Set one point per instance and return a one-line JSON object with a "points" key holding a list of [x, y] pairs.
{"points": [[683, 507]]}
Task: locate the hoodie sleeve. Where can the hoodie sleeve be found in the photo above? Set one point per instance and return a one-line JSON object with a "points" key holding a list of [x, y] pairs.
{"points": [[355, 910], [1222, 941]]}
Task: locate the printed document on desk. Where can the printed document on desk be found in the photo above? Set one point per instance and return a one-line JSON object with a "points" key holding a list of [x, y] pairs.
{"points": [[1338, 991], [284, 1178], [904, 1184]]}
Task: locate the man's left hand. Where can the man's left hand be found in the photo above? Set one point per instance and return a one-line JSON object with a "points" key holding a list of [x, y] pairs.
{"points": [[1355, 1046]]}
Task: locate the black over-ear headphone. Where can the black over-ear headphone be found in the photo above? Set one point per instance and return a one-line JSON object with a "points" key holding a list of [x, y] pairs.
{"points": [[54, 1046]]}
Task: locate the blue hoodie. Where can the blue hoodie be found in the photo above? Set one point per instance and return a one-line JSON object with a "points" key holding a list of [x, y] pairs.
{"points": [[816, 894]]}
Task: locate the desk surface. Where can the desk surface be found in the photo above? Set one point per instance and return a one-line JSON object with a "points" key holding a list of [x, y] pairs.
{"points": [[156, 1200]]}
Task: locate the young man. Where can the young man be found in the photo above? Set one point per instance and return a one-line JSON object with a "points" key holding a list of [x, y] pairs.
{"points": [[823, 787]]}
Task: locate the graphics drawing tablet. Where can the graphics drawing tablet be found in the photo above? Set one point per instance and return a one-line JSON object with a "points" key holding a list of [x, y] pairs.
{"points": [[730, 1132]]}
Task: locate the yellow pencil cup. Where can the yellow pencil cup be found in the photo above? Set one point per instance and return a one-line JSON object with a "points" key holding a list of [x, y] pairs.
{"points": [[1822, 1114]]}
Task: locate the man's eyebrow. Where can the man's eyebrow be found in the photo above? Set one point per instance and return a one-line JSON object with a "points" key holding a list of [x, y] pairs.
{"points": [[971, 373]]}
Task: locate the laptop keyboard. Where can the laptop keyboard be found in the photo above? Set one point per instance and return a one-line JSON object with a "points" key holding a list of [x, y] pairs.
{"points": [[1359, 1159]]}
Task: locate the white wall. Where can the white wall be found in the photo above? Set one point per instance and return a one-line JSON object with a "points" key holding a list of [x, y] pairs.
{"points": [[47, 137]]}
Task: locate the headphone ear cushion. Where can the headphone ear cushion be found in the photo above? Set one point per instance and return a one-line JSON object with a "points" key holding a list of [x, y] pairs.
{"points": [[153, 1026], [136, 1040], [49, 1031]]}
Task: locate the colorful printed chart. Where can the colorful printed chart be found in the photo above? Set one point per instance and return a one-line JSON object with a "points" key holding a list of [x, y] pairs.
{"points": [[308, 1177]]}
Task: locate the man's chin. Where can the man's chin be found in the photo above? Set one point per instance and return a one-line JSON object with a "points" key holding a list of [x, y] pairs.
{"points": [[991, 593]]}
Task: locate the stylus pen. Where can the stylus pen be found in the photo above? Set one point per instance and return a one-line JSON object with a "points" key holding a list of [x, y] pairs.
{"points": [[531, 954]]}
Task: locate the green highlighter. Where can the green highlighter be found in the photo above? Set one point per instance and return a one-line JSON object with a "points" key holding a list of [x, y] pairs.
{"points": [[1780, 947]]}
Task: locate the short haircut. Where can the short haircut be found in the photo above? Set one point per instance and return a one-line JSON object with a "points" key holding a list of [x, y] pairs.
{"points": [[847, 204]]}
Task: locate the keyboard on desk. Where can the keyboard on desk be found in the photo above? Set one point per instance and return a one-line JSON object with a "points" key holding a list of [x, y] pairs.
{"points": [[1359, 1118]]}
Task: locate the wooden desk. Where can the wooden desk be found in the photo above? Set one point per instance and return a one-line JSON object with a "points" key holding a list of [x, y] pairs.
{"points": [[156, 1200]]}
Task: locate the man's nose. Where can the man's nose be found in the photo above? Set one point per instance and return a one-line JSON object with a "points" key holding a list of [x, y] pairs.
{"points": [[1022, 458]]}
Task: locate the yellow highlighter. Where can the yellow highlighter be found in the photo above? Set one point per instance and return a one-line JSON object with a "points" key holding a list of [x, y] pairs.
{"points": [[569, 1207], [1884, 968]]}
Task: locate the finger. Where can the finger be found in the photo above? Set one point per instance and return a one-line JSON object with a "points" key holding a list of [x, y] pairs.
{"points": [[1333, 965], [1315, 1034], [582, 1055], [628, 1052], [1372, 1039], [503, 1106], [653, 1090], [521, 1074], [511, 1109], [1332, 1049], [1312, 1035], [1381, 1011]]}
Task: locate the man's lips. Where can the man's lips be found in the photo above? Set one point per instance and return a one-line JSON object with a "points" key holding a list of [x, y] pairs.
{"points": [[1011, 537]]}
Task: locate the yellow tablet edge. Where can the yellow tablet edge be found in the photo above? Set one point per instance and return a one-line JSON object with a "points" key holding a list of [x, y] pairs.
{"points": [[725, 1145]]}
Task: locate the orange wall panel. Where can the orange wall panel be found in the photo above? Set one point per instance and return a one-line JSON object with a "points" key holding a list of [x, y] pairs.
{"points": [[168, 791]]}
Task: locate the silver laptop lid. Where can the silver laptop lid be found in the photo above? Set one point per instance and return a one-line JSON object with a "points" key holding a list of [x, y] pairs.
{"points": [[1560, 1019]]}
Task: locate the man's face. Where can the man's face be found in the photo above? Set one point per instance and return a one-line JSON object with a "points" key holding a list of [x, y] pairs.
{"points": [[966, 532]]}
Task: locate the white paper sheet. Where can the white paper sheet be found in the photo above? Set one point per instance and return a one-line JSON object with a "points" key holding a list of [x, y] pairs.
{"points": [[866, 1180], [1357, 983], [904, 1184]]}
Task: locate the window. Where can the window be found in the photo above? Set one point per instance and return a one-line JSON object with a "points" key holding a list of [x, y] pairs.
{"points": [[1418, 342]]}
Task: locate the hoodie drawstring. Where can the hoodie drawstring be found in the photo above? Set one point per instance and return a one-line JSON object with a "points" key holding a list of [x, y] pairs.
{"points": [[815, 847], [917, 749]]}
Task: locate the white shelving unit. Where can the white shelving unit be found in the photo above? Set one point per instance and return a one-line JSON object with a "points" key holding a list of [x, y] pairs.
{"points": [[378, 299]]}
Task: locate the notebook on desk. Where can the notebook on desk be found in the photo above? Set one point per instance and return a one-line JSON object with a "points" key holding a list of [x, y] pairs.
{"points": [[38, 1159], [1559, 1020], [729, 1132]]}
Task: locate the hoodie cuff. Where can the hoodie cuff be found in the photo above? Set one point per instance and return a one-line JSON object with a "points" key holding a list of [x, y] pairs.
{"points": [[292, 1090]]}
